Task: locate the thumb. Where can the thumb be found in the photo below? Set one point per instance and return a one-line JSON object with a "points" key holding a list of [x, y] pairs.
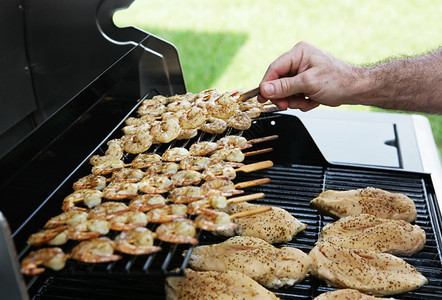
{"points": [[279, 88]]}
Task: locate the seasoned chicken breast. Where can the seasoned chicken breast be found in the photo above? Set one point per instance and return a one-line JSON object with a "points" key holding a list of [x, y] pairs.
{"points": [[370, 200], [274, 226], [229, 285], [270, 266], [373, 233], [347, 294], [365, 270]]}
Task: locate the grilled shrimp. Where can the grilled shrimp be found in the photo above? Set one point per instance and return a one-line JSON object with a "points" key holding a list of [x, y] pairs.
{"points": [[90, 181], [177, 232], [186, 194], [219, 171], [234, 154], [196, 163], [175, 154], [192, 118], [127, 175], [53, 258], [53, 236], [165, 131], [108, 166], [214, 125], [107, 210], [203, 148], [137, 143], [114, 151], [253, 113], [167, 213], [145, 160], [128, 220], [250, 104], [186, 177], [151, 107], [240, 121], [187, 134], [211, 220], [217, 201], [180, 105], [71, 217], [223, 187], [136, 128], [95, 251], [146, 202], [88, 229], [233, 141], [89, 197], [120, 190], [224, 107], [137, 241], [155, 185]]}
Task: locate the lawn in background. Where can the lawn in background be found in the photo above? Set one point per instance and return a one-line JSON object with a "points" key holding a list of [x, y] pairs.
{"points": [[228, 44]]}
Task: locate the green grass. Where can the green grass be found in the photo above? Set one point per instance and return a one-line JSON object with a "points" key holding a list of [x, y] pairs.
{"points": [[228, 44]]}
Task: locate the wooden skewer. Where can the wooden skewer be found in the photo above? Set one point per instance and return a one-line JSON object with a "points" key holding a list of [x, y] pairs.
{"points": [[249, 94], [250, 212], [250, 183], [260, 151], [245, 198], [263, 139], [255, 166]]}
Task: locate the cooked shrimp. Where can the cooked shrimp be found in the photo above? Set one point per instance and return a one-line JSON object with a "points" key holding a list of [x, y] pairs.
{"points": [[127, 175], [167, 213], [140, 121], [114, 151], [88, 229], [71, 217], [53, 258], [214, 126], [180, 105], [128, 220], [187, 134], [90, 181], [192, 118], [224, 107], [160, 99], [151, 107], [145, 160], [120, 190], [250, 104], [137, 241], [223, 187], [155, 185], [108, 166], [54, 236], [203, 148], [137, 143], [211, 220], [89, 197], [217, 201], [196, 163], [177, 232], [240, 121], [136, 128], [146, 202], [186, 177], [165, 131], [232, 141], [253, 113], [107, 210], [219, 171], [175, 154], [186, 194], [169, 168], [95, 251], [228, 154]]}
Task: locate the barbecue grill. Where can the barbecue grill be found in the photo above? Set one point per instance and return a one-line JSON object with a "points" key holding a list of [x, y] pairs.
{"points": [[38, 172]]}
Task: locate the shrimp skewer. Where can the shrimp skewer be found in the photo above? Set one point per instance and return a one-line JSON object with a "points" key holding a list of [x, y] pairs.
{"points": [[53, 236], [107, 210], [88, 229], [156, 185], [120, 190], [90, 198], [90, 181], [146, 202], [53, 258], [167, 213], [137, 241], [71, 217], [211, 220], [219, 202], [128, 220]]}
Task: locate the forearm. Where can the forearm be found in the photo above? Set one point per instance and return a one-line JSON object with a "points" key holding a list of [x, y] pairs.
{"points": [[413, 84]]}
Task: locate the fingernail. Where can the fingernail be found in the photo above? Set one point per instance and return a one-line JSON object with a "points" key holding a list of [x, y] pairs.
{"points": [[269, 89]]}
